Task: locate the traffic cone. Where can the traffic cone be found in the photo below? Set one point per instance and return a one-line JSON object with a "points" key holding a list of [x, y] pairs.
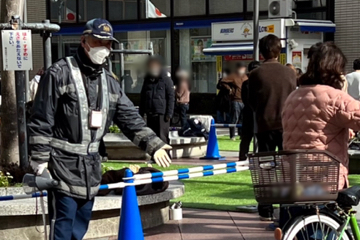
{"points": [[212, 152], [130, 220]]}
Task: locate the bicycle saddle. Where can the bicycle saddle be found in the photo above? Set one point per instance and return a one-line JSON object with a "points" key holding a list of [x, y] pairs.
{"points": [[349, 196]]}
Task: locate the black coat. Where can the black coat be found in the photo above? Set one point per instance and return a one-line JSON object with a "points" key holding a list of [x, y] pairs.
{"points": [[158, 96], [55, 115]]}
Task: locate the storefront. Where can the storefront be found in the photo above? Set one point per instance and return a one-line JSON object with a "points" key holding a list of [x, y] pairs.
{"points": [[232, 41]]}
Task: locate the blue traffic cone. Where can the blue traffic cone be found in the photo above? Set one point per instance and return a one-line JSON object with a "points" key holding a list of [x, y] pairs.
{"points": [[130, 220], [212, 152]]}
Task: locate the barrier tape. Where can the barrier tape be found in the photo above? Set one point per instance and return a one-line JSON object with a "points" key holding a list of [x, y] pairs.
{"points": [[147, 181], [217, 125], [185, 170]]}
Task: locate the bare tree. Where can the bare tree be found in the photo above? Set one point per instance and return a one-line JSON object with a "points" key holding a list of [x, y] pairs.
{"points": [[9, 131]]}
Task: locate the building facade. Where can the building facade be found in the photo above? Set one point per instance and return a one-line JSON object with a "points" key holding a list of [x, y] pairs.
{"points": [[347, 29], [178, 30]]}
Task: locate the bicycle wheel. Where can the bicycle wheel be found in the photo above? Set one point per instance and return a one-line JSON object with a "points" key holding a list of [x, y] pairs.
{"points": [[314, 227]]}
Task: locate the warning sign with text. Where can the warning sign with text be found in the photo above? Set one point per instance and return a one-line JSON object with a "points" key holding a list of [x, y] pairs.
{"points": [[17, 50]]}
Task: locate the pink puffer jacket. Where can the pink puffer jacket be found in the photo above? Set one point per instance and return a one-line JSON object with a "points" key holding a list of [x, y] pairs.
{"points": [[319, 117]]}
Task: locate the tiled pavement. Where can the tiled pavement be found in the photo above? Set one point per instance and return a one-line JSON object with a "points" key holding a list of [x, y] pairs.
{"points": [[212, 225]]}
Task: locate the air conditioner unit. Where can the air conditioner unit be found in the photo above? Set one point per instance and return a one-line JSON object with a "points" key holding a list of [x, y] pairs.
{"points": [[280, 8]]}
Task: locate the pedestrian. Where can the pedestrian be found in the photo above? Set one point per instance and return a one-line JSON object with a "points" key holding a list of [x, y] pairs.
{"points": [[353, 80], [182, 94], [335, 113], [289, 65], [247, 132], [157, 98], [222, 101], [233, 84], [76, 102], [34, 83], [269, 86]]}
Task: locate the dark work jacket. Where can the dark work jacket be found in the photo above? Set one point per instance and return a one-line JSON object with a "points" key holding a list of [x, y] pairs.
{"points": [[158, 96], [55, 116]]}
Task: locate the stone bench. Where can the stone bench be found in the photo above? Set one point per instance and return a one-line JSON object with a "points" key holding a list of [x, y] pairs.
{"points": [[18, 219], [119, 147]]}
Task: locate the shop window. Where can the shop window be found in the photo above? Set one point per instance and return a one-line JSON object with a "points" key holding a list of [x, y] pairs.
{"points": [[64, 10], [155, 8], [189, 7], [312, 15], [90, 9], [122, 9], [225, 6], [301, 4], [134, 70]]}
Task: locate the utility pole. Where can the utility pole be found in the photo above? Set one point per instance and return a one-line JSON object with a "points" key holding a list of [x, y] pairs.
{"points": [[9, 129], [256, 30]]}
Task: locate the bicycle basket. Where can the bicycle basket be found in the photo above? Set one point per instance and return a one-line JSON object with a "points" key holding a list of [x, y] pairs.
{"points": [[297, 176]]}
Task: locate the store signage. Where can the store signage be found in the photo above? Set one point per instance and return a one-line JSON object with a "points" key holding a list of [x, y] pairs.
{"points": [[244, 30], [241, 57], [17, 50]]}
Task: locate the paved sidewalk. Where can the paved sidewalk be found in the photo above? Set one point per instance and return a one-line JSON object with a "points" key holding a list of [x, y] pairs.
{"points": [[212, 225]]}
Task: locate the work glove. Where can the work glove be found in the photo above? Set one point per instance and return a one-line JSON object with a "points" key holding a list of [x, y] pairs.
{"points": [[38, 167], [161, 157]]}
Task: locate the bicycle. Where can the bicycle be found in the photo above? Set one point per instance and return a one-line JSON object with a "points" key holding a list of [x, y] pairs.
{"points": [[307, 178]]}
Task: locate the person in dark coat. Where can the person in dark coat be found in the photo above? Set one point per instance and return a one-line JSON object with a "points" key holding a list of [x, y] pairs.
{"points": [[158, 98], [269, 86], [247, 132], [223, 101]]}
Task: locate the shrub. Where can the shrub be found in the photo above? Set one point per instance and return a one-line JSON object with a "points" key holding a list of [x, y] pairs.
{"points": [[114, 129], [5, 179]]}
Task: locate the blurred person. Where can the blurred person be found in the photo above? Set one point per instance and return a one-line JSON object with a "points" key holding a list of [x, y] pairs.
{"points": [[34, 83], [233, 84], [299, 73], [223, 101], [183, 94], [157, 98], [247, 132], [77, 99], [319, 114], [353, 80], [289, 65], [313, 49], [269, 86]]}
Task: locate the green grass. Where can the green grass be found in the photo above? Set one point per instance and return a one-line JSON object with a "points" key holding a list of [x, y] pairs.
{"points": [[225, 144], [220, 192]]}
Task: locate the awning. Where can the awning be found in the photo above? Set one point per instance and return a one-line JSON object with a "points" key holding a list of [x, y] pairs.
{"points": [[312, 25], [229, 48]]}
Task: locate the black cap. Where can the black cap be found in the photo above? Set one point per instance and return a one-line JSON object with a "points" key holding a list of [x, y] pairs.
{"points": [[100, 28]]}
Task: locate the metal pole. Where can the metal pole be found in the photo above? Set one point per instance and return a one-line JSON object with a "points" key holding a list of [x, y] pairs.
{"points": [[122, 66], [47, 46], [26, 72], [256, 30], [20, 83], [151, 48]]}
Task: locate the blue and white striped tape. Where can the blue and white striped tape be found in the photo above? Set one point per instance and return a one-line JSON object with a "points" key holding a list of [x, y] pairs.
{"points": [[220, 125], [185, 170], [227, 168]]}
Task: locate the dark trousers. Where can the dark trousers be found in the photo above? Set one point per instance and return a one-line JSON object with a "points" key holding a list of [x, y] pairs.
{"points": [[160, 126], [69, 217], [267, 142], [245, 145], [236, 116], [183, 108]]}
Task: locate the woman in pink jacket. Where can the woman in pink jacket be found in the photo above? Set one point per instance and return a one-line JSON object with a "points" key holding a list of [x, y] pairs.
{"points": [[318, 115]]}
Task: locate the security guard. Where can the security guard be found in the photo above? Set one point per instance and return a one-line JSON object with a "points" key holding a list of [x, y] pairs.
{"points": [[76, 102]]}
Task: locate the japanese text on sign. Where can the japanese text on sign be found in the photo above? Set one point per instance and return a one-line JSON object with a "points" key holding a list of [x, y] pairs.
{"points": [[16, 46]]}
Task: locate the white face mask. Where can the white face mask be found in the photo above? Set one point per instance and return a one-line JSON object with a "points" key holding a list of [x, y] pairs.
{"points": [[98, 54]]}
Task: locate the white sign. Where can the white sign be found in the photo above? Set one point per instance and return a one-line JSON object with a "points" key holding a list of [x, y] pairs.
{"points": [[17, 50], [244, 30]]}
